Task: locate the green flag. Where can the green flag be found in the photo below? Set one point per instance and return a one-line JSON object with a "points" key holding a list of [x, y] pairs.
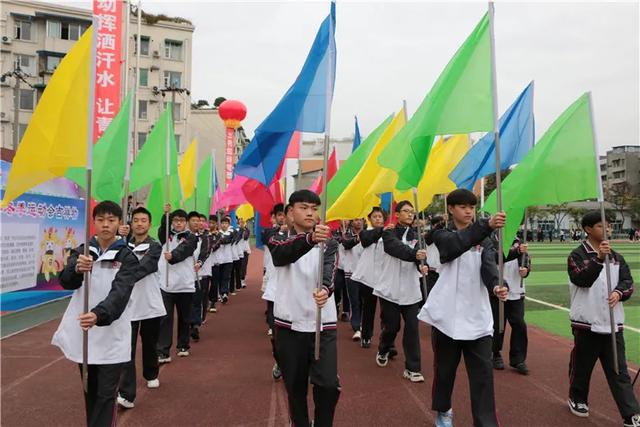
{"points": [[204, 189], [561, 167], [157, 199], [109, 159], [151, 162], [354, 162], [461, 101]]}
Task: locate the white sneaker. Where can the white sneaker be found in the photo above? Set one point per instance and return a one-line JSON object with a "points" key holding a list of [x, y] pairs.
{"points": [[269, 332], [125, 403], [357, 336], [153, 383], [164, 359], [213, 310], [634, 421], [414, 377], [445, 419], [183, 352], [234, 293]]}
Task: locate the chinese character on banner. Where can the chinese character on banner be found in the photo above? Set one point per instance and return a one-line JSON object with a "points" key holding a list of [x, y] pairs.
{"points": [[230, 137], [108, 25]]}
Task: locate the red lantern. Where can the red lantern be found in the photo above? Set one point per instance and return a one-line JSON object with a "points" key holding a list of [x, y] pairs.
{"points": [[232, 112]]}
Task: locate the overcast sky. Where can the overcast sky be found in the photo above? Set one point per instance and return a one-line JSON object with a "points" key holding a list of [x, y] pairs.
{"points": [[390, 51]]}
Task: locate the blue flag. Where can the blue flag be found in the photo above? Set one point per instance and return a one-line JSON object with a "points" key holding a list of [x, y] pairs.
{"points": [[257, 231], [385, 201], [356, 138], [516, 139], [303, 108]]}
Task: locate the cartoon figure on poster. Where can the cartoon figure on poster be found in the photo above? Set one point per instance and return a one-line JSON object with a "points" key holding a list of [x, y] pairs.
{"points": [[70, 242], [49, 244]]}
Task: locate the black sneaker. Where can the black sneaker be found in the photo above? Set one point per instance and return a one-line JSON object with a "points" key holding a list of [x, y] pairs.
{"points": [[498, 363], [382, 359], [521, 368], [276, 373], [633, 421], [392, 353], [225, 298], [195, 333], [365, 343], [578, 409], [344, 317]]}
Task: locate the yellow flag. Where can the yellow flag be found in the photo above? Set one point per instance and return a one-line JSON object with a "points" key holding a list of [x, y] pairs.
{"points": [[187, 170], [445, 156], [354, 202], [56, 137], [244, 211]]}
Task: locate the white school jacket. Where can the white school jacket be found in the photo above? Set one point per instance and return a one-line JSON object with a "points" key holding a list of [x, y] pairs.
{"points": [[146, 298], [589, 308], [107, 344], [182, 275], [351, 258], [225, 253], [512, 277], [458, 305], [369, 267], [399, 280], [433, 257]]}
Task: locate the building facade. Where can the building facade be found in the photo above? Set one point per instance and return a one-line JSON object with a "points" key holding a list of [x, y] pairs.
{"points": [[36, 36], [621, 165]]}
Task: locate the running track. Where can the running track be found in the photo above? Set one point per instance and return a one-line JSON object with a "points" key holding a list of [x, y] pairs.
{"points": [[227, 381]]}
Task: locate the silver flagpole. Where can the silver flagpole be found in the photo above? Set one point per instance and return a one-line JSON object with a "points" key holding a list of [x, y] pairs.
{"points": [[421, 245], [168, 185]]}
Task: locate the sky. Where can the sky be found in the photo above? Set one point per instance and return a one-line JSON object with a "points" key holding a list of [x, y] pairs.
{"points": [[388, 52]]}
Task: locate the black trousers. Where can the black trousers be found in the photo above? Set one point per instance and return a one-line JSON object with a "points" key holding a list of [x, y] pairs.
{"points": [[224, 277], [200, 302], [271, 323], [477, 359], [514, 315], [340, 293], [588, 347], [182, 304], [355, 303], [296, 358], [243, 266], [391, 314], [369, 302], [100, 399], [236, 281], [149, 330], [214, 285]]}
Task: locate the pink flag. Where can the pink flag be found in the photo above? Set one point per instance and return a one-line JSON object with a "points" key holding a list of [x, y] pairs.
{"points": [[316, 187]]}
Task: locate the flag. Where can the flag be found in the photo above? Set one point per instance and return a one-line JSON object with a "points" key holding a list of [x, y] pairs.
{"points": [[445, 155], [158, 197], [354, 162], [56, 137], [200, 200], [151, 162], [461, 101], [516, 139], [332, 168], [109, 159], [187, 170], [562, 167], [354, 201], [356, 137], [293, 150], [244, 211]]}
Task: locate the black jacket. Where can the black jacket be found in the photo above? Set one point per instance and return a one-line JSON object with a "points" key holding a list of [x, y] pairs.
{"points": [[111, 308], [370, 237], [394, 247], [149, 261]]}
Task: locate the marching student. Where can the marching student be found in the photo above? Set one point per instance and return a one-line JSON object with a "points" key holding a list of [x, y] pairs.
{"points": [[515, 270], [246, 250], [204, 273], [341, 295], [200, 255], [113, 273], [400, 294], [178, 263], [590, 325], [225, 258], [235, 283], [368, 270], [459, 310], [352, 252], [296, 262], [146, 307], [214, 260]]}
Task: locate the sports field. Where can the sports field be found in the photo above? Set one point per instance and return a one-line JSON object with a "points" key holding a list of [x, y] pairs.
{"points": [[548, 283]]}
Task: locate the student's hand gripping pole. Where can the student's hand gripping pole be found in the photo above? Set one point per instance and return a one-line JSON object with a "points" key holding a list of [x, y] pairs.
{"points": [[607, 269], [421, 245]]}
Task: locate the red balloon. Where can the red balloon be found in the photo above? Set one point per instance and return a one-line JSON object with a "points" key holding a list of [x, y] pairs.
{"points": [[232, 110]]}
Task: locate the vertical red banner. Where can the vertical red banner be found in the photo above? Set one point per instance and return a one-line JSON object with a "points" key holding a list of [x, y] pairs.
{"points": [[230, 140], [108, 27]]}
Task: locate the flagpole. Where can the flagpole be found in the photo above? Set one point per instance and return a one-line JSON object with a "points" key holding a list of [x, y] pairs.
{"points": [[127, 170], [325, 166], [132, 147], [168, 185], [87, 204], [607, 258], [421, 245], [496, 131], [524, 238], [125, 12]]}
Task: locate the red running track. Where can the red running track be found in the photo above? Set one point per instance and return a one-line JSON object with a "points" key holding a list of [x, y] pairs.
{"points": [[227, 381]]}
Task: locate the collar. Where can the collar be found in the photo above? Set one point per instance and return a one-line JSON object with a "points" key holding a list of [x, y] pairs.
{"points": [[587, 247]]}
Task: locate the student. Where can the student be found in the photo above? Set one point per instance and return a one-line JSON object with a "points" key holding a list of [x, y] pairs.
{"points": [[235, 284], [459, 310], [352, 252], [146, 307], [246, 250], [225, 258], [433, 256], [590, 321], [296, 261], [515, 270], [113, 273], [400, 294], [368, 270], [200, 255], [341, 295], [204, 272], [214, 260], [178, 290]]}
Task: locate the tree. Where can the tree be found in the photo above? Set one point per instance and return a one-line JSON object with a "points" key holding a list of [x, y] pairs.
{"points": [[437, 206], [490, 182], [576, 215], [534, 213], [621, 197], [559, 213], [219, 100]]}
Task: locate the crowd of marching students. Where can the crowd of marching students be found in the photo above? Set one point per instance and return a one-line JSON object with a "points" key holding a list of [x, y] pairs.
{"points": [[444, 273]]}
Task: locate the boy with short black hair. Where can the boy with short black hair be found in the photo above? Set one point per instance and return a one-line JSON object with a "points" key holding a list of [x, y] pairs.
{"points": [[296, 260], [590, 321], [113, 273], [147, 308], [178, 291], [225, 258], [459, 310]]}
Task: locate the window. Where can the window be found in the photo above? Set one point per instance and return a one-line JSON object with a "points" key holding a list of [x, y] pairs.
{"points": [[27, 63], [177, 142], [22, 128], [144, 45], [64, 30], [54, 29], [142, 138], [173, 50], [26, 99], [144, 77], [618, 175], [142, 109], [52, 63], [22, 30], [177, 109], [172, 79]]}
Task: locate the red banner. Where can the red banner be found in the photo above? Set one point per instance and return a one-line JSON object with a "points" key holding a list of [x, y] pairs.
{"points": [[229, 144], [108, 27]]}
